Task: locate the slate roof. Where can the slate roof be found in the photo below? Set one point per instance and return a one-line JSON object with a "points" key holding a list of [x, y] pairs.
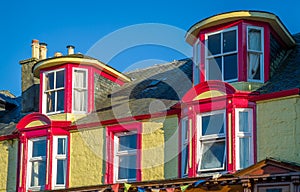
{"points": [[153, 89], [287, 75]]}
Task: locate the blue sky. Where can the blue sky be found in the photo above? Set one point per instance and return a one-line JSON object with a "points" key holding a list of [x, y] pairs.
{"points": [[84, 23]]}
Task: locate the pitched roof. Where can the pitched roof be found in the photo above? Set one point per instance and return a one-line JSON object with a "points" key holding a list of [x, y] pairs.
{"points": [[154, 89], [287, 75]]}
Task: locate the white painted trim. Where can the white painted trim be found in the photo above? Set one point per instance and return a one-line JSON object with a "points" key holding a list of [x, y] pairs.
{"points": [[84, 88]]}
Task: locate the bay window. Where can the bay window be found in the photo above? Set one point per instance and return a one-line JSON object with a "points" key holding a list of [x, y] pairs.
{"points": [[80, 87], [36, 169], [244, 138], [54, 91], [184, 147], [196, 58], [255, 56], [125, 156], [221, 55], [211, 128]]}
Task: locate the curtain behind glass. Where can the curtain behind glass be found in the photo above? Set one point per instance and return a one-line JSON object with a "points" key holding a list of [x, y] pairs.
{"points": [[254, 44], [79, 100]]}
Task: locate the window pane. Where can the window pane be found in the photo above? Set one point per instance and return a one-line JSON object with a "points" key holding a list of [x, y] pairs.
{"points": [[60, 172], [60, 100], [50, 101], [60, 79], [213, 124], [229, 41], [80, 100], [127, 167], [254, 39], [244, 152], [254, 65], [127, 142], [213, 155], [243, 121], [274, 190], [49, 81], [39, 148], [185, 130], [230, 67], [79, 79], [214, 44], [215, 68], [61, 146], [184, 160], [38, 173]]}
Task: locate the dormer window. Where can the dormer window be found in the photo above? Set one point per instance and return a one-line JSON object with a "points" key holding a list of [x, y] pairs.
{"points": [[255, 53], [80, 88], [221, 55], [54, 91]]}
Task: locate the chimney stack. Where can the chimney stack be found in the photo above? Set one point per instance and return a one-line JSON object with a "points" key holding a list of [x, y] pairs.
{"points": [[35, 47], [70, 49], [43, 50]]}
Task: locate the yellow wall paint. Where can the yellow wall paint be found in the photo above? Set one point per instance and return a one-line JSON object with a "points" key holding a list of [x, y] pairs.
{"points": [[87, 166], [66, 117], [278, 129], [160, 149], [209, 94], [8, 165]]}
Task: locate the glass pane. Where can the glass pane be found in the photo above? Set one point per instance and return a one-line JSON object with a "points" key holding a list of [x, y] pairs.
{"points": [[127, 167], [61, 146], [244, 152], [185, 130], [39, 148], [38, 173], [230, 67], [254, 65], [127, 142], [60, 172], [79, 79], [49, 81], [213, 155], [254, 39], [213, 124], [215, 68], [229, 41], [274, 190], [243, 121], [60, 100], [80, 100], [50, 101], [184, 160], [60, 79], [214, 44]]}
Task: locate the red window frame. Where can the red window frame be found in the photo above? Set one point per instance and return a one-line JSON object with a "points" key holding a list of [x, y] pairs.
{"points": [[110, 133]]}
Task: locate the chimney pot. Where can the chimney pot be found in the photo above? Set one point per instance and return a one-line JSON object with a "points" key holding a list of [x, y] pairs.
{"points": [[70, 49], [43, 50], [58, 54], [35, 49]]}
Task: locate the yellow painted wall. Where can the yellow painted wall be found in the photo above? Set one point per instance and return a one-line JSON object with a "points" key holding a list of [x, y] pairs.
{"points": [[159, 149], [87, 152], [278, 129], [8, 165]]}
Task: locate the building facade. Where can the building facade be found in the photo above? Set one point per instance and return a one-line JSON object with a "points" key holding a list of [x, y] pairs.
{"points": [[225, 120]]}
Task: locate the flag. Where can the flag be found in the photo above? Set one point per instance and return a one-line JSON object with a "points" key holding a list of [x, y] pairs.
{"points": [[198, 182], [141, 189], [155, 190], [126, 187], [170, 189], [183, 188], [115, 187]]}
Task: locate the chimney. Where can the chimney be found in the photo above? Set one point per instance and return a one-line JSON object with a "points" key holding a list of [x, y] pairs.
{"points": [[70, 49], [35, 47], [58, 54], [43, 50]]}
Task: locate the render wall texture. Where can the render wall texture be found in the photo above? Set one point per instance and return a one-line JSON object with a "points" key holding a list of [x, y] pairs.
{"points": [[8, 165], [278, 129], [87, 152]]}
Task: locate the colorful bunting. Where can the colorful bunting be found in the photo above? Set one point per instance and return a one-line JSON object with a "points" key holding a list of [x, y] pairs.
{"points": [[155, 190], [141, 189], [126, 187], [115, 187], [183, 188], [170, 189], [198, 183]]}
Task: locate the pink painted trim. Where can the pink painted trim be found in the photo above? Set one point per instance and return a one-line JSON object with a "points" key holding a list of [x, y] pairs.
{"points": [[8, 137], [275, 95]]}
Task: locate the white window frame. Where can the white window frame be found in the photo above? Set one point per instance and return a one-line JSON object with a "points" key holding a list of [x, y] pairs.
{"points": [[184, 144], [196, 60], [34, 159], [57, 157], [239, 134], [207, 57], [55, 90], [80, 88], [210, 139], [258, 52], [117, 154]]}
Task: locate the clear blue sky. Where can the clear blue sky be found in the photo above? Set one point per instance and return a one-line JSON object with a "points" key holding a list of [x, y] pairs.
{"points": [[83, 23]]}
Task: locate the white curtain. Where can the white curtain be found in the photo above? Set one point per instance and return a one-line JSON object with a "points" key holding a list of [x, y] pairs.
{"points": [[79, 100], [254, 43]]}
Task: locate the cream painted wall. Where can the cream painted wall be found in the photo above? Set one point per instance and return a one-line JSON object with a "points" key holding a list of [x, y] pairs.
{"points": [[8, 165], [86, 158], [278, 129]]}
